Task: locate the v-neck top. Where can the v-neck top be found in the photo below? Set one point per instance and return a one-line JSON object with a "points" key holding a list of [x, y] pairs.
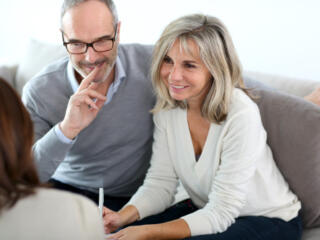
{"points": [[235, 174]]}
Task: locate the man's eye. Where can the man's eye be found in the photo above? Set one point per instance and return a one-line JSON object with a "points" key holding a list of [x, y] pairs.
{"points": [[102, 42], [77, 45]]}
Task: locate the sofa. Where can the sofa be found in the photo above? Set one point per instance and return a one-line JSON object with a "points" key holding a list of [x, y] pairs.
{"points": [[291, 123]]}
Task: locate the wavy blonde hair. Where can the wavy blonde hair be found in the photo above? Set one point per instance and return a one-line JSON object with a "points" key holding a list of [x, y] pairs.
{"points": [[217, 53]]}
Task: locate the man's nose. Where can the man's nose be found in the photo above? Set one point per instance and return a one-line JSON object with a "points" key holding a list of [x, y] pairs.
{"points": [[91, 55]]}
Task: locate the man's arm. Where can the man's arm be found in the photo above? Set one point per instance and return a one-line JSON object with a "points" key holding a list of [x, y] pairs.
{"points": [[49, 148], [49, 151]]}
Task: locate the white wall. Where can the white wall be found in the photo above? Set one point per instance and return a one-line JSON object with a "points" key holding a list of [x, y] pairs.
{"points": [[273, 36]]}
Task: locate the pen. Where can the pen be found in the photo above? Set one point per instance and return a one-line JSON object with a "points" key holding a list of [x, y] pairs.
{"points": [[101, 198]]}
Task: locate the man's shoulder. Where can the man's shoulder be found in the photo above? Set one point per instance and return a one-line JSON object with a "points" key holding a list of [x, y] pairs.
{"points": [[55, 68], [135, 55], [135, 48], [52, 75]]}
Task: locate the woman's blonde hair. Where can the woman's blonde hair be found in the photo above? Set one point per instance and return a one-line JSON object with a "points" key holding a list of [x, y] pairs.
{"points": [[217, 53]]}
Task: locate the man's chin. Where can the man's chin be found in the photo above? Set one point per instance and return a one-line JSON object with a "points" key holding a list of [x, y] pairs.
{"points": [[103, 74]]}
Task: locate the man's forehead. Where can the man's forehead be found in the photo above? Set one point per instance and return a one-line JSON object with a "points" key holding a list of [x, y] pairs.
{"points": [[87, 21], [88, 14]]}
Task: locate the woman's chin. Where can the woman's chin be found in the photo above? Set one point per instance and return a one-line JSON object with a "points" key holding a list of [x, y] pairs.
{"points": [[178, 98]]}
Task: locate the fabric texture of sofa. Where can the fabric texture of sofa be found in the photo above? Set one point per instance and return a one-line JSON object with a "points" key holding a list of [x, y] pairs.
{"points": [[290, 121]]}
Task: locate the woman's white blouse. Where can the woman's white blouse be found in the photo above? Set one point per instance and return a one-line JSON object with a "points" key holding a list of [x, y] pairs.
{"points": [[234, 176]]}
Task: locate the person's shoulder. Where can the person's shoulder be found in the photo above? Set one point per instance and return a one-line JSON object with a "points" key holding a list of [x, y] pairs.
{"points": [[77, 211], [56, 68], [241, 102], [165, 116], [68, 198], [135, 55], [50, 77], [136, 48]]}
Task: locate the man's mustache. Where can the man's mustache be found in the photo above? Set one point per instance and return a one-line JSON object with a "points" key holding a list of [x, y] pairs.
{"points": [[84, 63]]}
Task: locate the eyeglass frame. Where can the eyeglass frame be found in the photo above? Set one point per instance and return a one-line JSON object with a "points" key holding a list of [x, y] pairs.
{"points": [[91, 44]]}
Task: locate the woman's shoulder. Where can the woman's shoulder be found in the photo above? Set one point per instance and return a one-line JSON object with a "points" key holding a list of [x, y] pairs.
{"points": [[47, 198], [54, 213], [167, 115], [57, 201], [241, 101], [50, 194]]}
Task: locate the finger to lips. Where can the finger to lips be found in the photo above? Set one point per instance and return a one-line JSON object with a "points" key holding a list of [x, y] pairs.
{"points": [[93, 94], [93, 85], [87, 81]]}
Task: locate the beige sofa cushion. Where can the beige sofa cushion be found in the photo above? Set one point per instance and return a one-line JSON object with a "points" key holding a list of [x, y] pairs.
{"points": [[293, 129], [295, 86]]}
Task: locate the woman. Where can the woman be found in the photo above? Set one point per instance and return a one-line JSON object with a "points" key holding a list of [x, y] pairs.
{"points": [[209, 135], [27, 209]]}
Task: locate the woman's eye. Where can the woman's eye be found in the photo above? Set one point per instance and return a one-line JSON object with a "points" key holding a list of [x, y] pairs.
{"points": [[189, 65], [167, 59]]}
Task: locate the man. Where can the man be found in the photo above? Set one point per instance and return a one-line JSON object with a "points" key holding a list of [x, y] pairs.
{"points": [[91, 110]]}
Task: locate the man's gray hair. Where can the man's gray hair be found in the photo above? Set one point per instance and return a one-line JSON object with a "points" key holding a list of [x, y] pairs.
{"points": [[68, 4]]}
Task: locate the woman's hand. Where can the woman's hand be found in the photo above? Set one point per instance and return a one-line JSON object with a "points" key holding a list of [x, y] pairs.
{"points": [[176, 229], [131, 233], [111, 220]]}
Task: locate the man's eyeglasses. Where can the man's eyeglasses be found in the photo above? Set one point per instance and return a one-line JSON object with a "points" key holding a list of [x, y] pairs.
{"points": [[101, 45]]}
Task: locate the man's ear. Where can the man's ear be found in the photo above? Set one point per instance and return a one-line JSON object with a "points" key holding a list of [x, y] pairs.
{"points": [[118, 31]]}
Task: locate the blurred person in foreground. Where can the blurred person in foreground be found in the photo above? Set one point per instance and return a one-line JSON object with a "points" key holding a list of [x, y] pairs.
{"points": [[28, 209]]}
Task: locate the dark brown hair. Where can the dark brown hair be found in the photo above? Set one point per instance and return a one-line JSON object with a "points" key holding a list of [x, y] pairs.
{"points": [[18, 176]]}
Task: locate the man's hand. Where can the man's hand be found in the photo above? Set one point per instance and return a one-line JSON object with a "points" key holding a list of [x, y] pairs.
{"points": [[82, 108]]}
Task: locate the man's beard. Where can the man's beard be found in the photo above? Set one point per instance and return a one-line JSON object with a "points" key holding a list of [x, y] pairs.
{"points": [[106, 68]]}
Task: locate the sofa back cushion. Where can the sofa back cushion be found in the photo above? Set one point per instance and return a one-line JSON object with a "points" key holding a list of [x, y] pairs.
{"points": [[295, 86], [293, 129], [8, 73]]}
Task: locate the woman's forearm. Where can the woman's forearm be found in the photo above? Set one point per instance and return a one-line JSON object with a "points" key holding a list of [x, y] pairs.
{"points": [[176, 229], [128, 214]]}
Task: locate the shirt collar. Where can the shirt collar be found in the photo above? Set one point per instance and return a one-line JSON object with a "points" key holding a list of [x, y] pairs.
{"points": [[120, 74]]}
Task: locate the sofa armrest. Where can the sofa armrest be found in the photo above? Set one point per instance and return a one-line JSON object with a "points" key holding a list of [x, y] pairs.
{"points": [[8, 72], [294, 86]]}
